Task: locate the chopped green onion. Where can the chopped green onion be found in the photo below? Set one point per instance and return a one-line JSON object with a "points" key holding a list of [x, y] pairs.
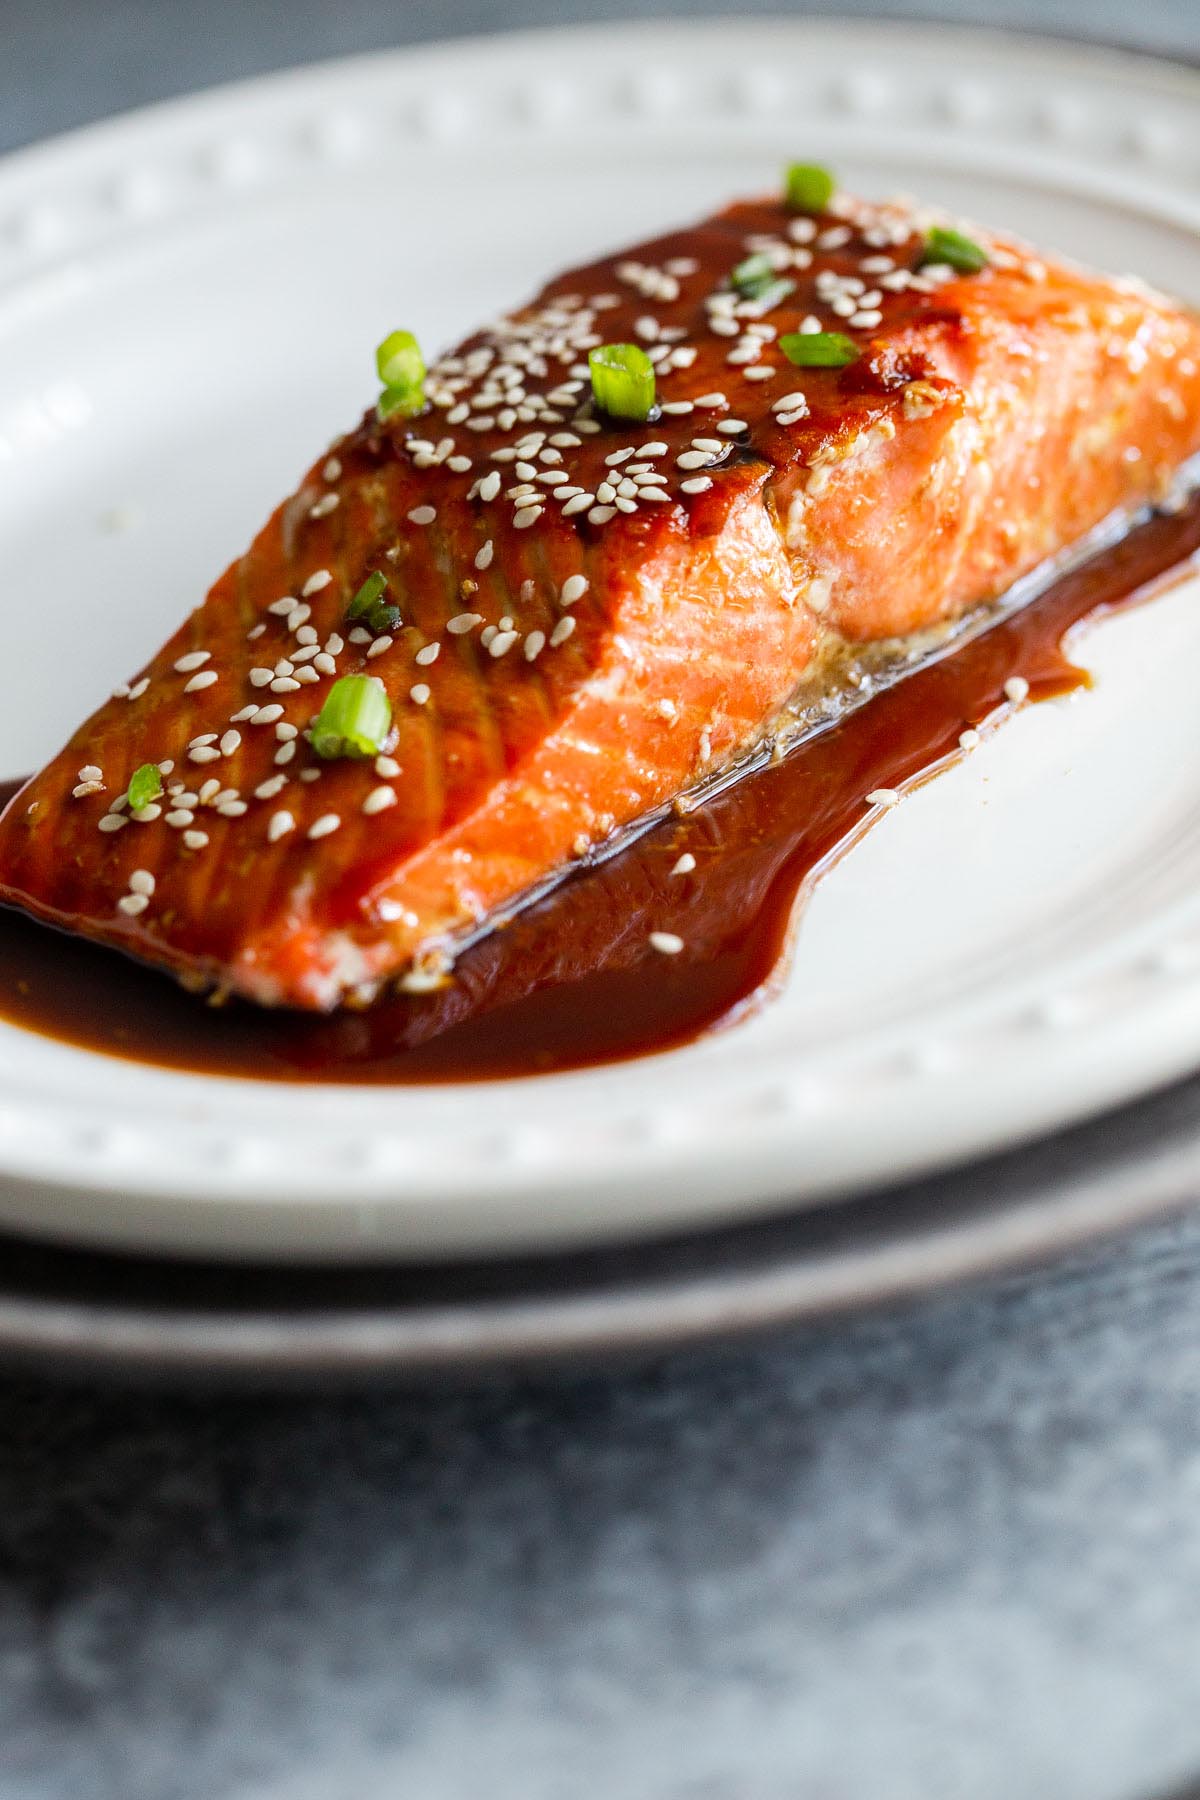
{"points": [[382, 618], [372, 590], [369, 605], [755, 279], [402, 371], [753, 273], [962, 253], [622, 381], [809, 187], [819, 349], [145, 785], [355, 719], [399, 360], [403, 401]]}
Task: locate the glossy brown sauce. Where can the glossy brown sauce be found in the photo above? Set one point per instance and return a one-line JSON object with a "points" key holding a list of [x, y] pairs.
{"points": [[573, 981]]}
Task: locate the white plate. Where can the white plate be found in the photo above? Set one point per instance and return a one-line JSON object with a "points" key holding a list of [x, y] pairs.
{"points": [[188, 300]]}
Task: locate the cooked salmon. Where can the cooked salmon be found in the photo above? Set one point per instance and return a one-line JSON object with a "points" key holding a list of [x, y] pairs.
{"points": [[577, 618]]}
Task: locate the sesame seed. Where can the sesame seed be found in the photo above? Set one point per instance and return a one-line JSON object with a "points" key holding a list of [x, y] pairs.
{"points": [[332, 469], [139, 688], [579, 503], [882, 797], [195, 659], [714, 399], [666, 943], [298, 616], [525, 517], [280, 824], [606, 493], [421, 515], [324, 663], [267, 715], [378, 800], [141, 882], [195, 840], [203, 753], [246, 712], [429, 654], [573, 589], [732, 426], [489, 487], [90, 772], [562, 631], [387, 766], [324, 506], [318, 580], [694, 459], [463, 622], [334, 645], [679, 408], [685, 865], [230, 742], [618, 457], [280, 607], [483, 556], [284, 732], [969, 739], [322, 827], [209, 791], [419, 695], [285, 753], [600, 515], [132, 904], [699, 484], [503, 641], [204, 679], [267, 790], [378, 648], [146, 815], [260, 677], [534, 644], [84, 788], [654, 449], [112, 822], [284, 684], [231, 809], [1016, 689], [183, 815]]}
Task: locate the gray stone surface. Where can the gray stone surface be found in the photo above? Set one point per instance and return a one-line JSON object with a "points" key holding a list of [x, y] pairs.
{"points": [[948, 1554]]}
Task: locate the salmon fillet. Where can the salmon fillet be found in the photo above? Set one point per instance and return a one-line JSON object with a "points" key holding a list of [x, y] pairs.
{"points": [[594, 616]]}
